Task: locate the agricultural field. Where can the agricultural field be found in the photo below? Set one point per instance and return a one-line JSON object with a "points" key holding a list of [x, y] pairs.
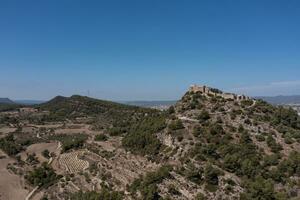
{"points": [[39, 148], [72, 162]]}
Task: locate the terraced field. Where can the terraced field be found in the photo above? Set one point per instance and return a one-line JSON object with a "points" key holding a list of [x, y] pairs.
{"points": [[72, 162]]}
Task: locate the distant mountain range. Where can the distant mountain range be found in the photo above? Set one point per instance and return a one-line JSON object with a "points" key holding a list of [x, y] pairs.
{"points": [[23, 102], [150, 104], [6, 101], [278, 100], [29, 102]]}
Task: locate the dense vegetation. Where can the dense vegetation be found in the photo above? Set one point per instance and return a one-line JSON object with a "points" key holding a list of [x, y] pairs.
{"points": [[104, 194], [9, 107], [235, 150], [62, 108], [176, 125], [42, 176], [261, 188], [284, 120], [73, 141], [148, 185], [141, 138], [9, 145]]}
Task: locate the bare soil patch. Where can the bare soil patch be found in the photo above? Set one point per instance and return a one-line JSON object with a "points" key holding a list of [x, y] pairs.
{"points": [[38, 149], [11, 185]]}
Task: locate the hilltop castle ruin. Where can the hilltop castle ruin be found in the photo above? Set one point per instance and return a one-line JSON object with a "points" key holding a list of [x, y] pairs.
{"points": [[216, 92]]}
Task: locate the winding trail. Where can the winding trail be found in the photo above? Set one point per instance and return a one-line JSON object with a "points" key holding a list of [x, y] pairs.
{"points": [[31, 193]]}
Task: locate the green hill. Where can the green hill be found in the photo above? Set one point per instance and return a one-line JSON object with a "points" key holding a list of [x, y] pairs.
{"points": [[101, 111]]}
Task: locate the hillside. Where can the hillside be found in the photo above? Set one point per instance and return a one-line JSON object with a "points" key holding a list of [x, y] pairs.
{"points": [[7, 105], [6, 101], [227, 148], [80, 105], [100, 112], [251, 145], [209, 145]]}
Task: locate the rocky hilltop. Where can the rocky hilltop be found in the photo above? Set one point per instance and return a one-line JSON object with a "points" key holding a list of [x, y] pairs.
{"points": [[209, 145]]}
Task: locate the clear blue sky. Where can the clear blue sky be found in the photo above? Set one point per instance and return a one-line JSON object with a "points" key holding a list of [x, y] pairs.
{"points": [[148, 49]]}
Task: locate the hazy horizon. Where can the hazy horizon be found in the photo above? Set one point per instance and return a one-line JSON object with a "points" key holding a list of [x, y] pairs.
{"points": [[130, 100]]}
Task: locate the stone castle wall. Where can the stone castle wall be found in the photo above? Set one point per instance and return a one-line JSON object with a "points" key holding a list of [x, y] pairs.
{"points": [[207, 90]]}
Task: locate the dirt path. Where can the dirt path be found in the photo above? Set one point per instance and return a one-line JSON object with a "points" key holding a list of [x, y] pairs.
{"points": [[31, 193], [183, 118]]}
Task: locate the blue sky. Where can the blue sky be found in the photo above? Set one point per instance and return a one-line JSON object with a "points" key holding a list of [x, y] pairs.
{"points": [[148, 49]]}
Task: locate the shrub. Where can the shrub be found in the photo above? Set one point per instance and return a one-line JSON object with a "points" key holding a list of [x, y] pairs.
{"points": [[259, 189], [248, 121], [171, 110], [216, 129], [260, 138], [247, 102], [176, 125], [194, 174], [200, 196], [288, 139], [198, 130], [203, 116], [275, 147], [241, 128], [211, 175], [70, 141], [46, 153], [180, 138], [115, 131], [32, 159], [101, 137], [271, 160], [173, 190]]}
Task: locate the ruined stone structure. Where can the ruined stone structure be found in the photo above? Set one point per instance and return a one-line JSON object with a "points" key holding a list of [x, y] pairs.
{"points": [[28, 110], [196, 88], [211, 91], [228, 96]]}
